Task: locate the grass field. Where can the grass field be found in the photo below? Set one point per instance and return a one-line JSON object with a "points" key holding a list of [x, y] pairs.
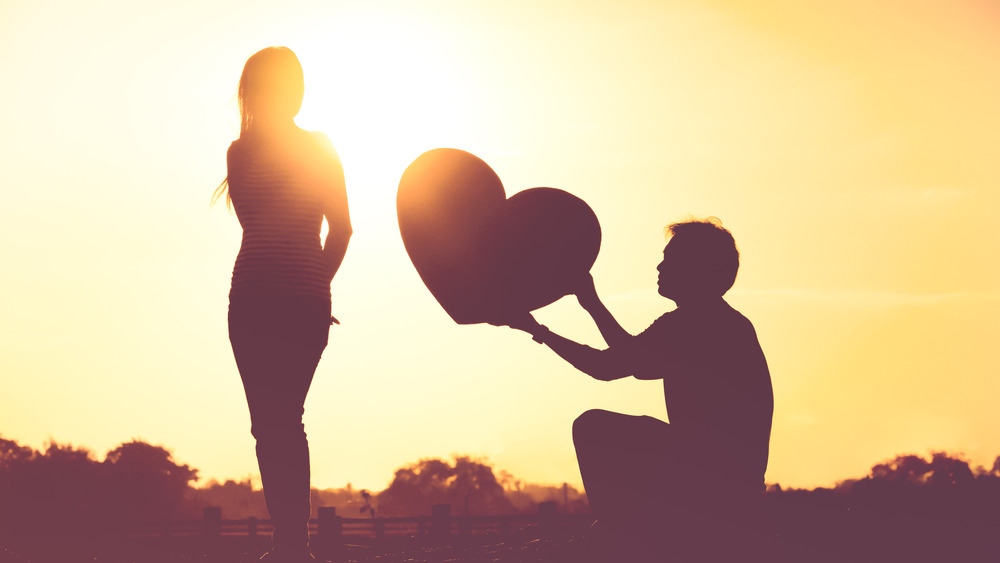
{"points": [[876, 542], [566, 547]]}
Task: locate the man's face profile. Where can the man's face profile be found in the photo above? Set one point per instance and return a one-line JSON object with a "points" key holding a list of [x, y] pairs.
{"points": [[672, 268]]}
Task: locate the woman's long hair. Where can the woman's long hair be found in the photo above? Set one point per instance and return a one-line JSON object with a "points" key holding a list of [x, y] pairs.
{"points": [[271, 89]]}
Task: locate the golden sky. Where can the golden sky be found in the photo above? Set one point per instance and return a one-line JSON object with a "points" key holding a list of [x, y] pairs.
{"points": [[851, 147]]}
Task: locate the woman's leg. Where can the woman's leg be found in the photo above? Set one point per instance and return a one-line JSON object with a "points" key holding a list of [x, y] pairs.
{"points": [[277, 347]]}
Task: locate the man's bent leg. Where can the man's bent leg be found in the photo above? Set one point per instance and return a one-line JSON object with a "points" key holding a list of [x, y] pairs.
{"points": [[623, 463]]}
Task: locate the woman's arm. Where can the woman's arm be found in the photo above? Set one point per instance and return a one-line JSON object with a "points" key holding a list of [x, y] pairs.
{"points": [[335, 209], [339, 233], [335, 248]]}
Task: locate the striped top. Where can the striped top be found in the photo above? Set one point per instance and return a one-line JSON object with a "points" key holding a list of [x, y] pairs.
{"points": [[281, 190]]}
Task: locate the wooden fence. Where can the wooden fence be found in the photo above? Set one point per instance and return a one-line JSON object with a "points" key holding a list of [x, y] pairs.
{"points": [[334, 528]]}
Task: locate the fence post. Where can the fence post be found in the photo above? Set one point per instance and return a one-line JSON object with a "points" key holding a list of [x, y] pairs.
{"points": [[379, 527], [547, 514], [252, 526], [212, 520], [440, 520], [330, 526]]}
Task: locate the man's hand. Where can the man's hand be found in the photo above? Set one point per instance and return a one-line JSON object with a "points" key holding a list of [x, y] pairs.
{"points": [[608, 376], [520, 321], [586, 293]]}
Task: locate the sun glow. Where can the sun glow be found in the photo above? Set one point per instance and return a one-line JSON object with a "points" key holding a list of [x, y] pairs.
{"points": [[384, 92], [764, 114]]}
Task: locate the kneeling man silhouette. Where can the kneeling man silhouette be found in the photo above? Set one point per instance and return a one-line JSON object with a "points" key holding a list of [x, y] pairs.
{"points": [[688, 490]]}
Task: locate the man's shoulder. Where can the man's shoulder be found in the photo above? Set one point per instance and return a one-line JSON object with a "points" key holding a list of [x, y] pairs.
{"points": [[663, 325], [692, 322], [738, 319]]}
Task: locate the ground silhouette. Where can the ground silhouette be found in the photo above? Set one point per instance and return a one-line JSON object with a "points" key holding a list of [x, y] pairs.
{"points": [[60, 502]]}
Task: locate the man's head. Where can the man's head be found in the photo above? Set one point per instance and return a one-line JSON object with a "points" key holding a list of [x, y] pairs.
{"points": [[699, 262]]}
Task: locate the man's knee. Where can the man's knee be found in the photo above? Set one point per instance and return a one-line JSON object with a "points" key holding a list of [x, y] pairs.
{"points": [[595, 425]]}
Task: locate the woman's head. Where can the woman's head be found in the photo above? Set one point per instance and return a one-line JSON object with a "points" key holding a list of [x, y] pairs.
{"points": [[270, 93], [271, 87]]}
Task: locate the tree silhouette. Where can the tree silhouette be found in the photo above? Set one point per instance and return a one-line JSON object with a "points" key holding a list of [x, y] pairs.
{"points": [[941, 470], [145, 483], [909, 508], [64, 489], [60, 488], [469, 486]]}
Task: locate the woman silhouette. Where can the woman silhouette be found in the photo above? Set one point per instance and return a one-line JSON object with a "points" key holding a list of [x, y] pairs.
{"points": [[283, 181]]}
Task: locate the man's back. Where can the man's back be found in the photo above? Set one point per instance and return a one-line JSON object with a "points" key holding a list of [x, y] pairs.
{"points": [[717, 387]]}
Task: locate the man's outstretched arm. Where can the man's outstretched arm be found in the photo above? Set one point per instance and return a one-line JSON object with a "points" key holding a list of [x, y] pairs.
{"points": [[599, 364]]}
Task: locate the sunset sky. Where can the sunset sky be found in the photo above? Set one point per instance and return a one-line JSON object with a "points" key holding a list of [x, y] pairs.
{"points": [[852, 147]]}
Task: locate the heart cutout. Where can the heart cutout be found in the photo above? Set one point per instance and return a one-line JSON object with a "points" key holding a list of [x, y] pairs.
{"points": [[484, 256]]}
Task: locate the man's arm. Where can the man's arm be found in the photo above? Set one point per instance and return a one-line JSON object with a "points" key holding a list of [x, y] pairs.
{"points": [[605, 365], [612, 332]]}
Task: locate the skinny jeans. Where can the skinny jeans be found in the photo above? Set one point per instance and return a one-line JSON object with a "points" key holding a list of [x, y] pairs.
{"points": [[277, 341]]}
